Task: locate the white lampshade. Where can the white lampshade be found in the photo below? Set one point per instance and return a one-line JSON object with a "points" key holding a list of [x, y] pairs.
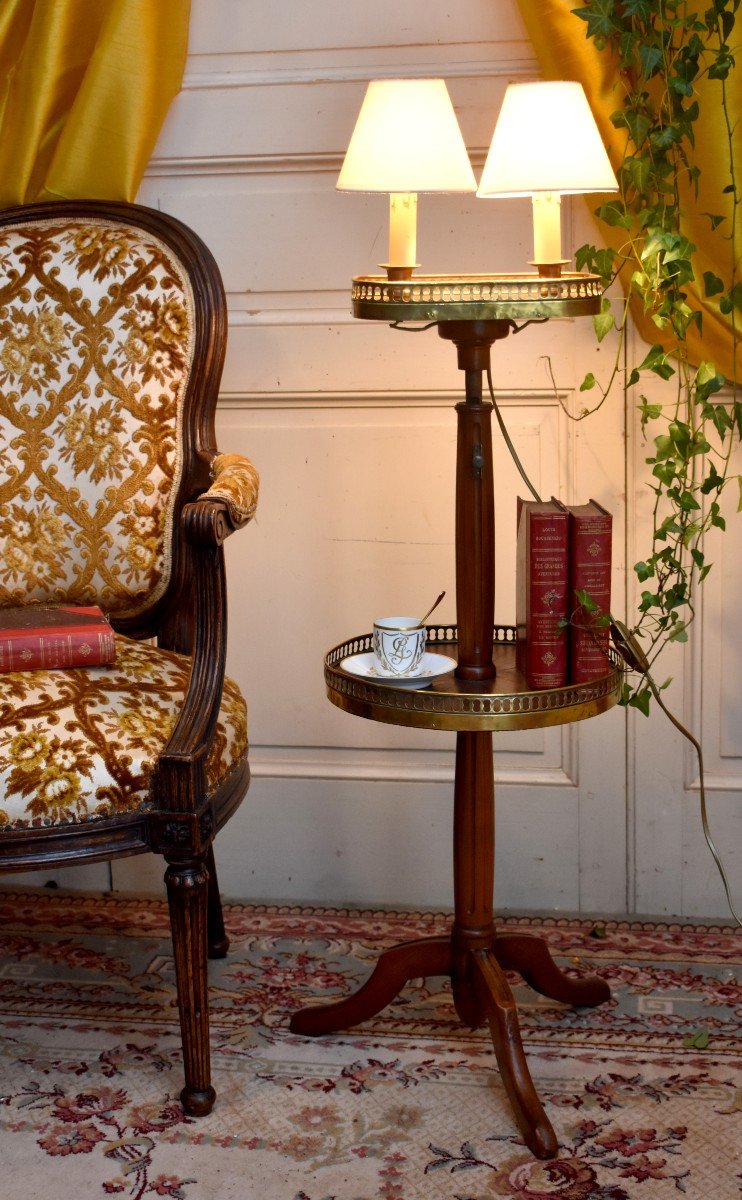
{"points": [[546, 143], [546, 140], [407, 139]]}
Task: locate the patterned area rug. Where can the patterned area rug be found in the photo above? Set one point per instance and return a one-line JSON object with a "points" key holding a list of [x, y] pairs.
{"points": [[645, 1093]]}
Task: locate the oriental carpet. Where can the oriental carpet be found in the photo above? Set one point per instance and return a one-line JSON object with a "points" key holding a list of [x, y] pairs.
{"points": [[645, 1092]]}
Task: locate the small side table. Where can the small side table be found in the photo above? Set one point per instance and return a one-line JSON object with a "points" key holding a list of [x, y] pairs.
{"points": [[475, 956], [484, 693]]}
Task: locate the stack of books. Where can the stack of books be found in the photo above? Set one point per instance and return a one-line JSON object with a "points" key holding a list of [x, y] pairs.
{"points": [[564, 552], [46, 637]]}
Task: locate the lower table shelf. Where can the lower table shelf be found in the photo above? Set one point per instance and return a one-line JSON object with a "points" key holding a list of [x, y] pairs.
{"points": [[505, 702]]}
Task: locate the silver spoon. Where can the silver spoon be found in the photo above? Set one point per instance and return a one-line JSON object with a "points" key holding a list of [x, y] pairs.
{"points": [[433, 606]]}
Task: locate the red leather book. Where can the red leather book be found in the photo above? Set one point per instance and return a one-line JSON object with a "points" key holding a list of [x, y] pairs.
{"points": [[41, 637], [590, 536], [541, 593]]}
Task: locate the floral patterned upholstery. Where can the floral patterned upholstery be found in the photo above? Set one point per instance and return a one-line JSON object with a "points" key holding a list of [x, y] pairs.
{"points": [[80, 744], [95, 344], [236, 483]]}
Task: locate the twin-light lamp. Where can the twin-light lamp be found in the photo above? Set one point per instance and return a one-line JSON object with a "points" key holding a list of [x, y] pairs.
{"points": [[407, 140]]}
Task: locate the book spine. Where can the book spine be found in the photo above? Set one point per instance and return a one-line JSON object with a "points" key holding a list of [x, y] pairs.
{"points": [[590, 571], [544, 571], [49, 651]]}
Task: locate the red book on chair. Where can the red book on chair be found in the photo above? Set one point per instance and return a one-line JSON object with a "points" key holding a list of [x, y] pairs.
{"points": [[541, 595], [590, 536], [40, 637]]}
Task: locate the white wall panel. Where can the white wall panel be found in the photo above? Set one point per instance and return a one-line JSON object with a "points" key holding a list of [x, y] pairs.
{"points": [[353, 430]]}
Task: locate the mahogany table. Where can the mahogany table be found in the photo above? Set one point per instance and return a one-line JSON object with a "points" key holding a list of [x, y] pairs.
{"points": [[484, 694]]}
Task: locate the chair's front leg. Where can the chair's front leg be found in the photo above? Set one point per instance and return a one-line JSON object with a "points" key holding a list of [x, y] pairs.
{"points": [[187, 891]]}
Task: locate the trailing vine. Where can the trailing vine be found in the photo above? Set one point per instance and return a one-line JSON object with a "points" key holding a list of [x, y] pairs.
{"points": [[664, 48]]}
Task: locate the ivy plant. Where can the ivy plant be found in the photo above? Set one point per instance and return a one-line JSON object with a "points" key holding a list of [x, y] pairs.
{"points": [[663, 49]]}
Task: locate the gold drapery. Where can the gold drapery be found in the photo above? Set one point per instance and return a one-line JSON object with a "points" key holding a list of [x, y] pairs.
{"points": [[84, 89], [564, 52]]}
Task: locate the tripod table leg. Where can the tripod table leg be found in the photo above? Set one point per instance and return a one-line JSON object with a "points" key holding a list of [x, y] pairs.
{"points": [[498, 1004], [531, 957], [408, 960]]}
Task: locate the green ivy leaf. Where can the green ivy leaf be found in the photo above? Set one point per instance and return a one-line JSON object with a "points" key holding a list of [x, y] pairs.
{"points": [[638, 126], [663, 447], [721, 67], [615, 214], [603, 321], [679, 632], [599, 17], [585, 257], [588, 382], [637, 171], [656, 361], [585, 600], [641, 701], [698, 1040], [713, 482], [649, 412], [712, 283], [715, 516], [650, 58], [681, 437]]}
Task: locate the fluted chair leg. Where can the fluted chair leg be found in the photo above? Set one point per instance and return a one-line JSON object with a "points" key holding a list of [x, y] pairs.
{"points": [[187, 890], [217, 936]]}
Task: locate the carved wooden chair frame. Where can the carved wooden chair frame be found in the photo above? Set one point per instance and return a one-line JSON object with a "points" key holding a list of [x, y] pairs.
{"points": [[190, 618]]}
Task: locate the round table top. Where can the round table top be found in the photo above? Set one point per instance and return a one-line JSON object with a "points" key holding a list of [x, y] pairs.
{"points": [[504, 702], [476, 297]]}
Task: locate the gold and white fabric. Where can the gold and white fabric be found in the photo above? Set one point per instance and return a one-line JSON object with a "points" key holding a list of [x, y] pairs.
{"points": [[80, 744], [95, 338]]}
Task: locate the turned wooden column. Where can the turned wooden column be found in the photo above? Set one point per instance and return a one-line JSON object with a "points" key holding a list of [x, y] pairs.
{"points": [[473, 867], [475, 504]]}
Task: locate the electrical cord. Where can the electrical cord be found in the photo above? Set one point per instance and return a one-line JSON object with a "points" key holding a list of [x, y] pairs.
{"points": [[411, 328], [507, 438]]}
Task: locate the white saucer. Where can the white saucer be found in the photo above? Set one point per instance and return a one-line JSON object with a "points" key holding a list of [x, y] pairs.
{"points": [[364, 666]]}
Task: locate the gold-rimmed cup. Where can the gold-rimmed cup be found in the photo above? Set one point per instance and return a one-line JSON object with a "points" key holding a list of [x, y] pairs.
{"points": [[399, 645]]}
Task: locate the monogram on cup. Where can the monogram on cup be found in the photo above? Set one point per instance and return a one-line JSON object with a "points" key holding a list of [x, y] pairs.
{"points": [[399, 645]]}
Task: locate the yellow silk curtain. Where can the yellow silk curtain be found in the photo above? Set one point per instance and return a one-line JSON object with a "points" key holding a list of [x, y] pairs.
{"points": [[564, 52], [84, 89]]}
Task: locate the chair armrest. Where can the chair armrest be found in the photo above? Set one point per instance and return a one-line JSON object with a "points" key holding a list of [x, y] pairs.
{"points": [[228, 504], [236, 483]]}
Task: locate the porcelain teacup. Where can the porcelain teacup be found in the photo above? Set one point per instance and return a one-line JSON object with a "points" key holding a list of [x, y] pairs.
{"points": [[399, 644]]}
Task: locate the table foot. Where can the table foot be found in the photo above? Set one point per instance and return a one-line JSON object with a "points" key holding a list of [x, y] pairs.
{"points": [[531, 957], [408, 960], [498, 1005]]}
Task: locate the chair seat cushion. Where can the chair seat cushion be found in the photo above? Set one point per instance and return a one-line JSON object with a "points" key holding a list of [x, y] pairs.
{"points": [[80, 745]]}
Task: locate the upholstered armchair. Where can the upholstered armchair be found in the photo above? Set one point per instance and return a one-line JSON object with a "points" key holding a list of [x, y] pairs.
{"points": [[112, 338]]}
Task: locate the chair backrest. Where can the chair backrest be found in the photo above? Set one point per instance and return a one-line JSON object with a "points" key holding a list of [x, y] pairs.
{"points": [[112, 333]]}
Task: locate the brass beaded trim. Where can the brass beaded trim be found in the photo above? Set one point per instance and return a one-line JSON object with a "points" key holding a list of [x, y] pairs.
{"points": [[456, 289]]}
